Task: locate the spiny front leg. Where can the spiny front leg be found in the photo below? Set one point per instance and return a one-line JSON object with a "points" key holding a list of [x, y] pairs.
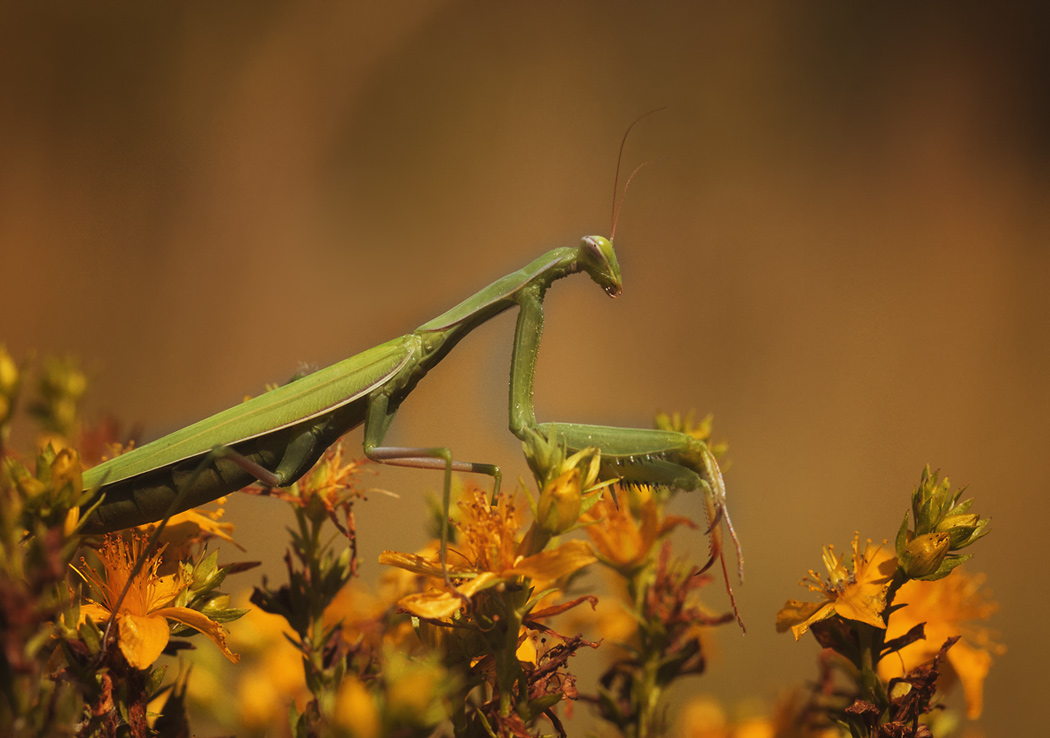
{"points": [[663, 458]]}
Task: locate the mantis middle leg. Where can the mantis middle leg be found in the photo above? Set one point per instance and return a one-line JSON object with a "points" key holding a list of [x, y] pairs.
{"points": [[381, 411]]}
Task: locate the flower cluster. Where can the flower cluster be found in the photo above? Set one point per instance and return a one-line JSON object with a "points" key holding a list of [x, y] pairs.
{"points": [[141, 604], [943, 525], [897, 629], [476, 634], [80, 644], [471, 636]]}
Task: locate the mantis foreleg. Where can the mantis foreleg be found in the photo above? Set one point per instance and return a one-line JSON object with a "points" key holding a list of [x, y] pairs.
{"points": [[635, 456]]}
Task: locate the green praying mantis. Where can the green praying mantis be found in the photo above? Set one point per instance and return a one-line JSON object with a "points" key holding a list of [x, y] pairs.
{"points": [[278, 436]]}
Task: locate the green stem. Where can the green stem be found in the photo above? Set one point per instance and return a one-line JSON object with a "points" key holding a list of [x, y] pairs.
{"points": [[647, 691]]}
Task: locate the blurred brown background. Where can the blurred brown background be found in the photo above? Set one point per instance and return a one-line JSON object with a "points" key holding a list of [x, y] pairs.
{"points": [[840, 249]]}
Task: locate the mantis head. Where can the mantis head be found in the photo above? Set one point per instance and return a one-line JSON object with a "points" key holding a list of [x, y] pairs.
{"points": [[597, 255], [599, 260]]}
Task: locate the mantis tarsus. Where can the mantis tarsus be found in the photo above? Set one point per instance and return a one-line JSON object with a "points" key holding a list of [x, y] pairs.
{"points": [[278, 436]]}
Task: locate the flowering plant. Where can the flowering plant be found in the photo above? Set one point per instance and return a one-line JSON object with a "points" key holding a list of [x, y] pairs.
{"points": [[479, 639], [895, 626]]}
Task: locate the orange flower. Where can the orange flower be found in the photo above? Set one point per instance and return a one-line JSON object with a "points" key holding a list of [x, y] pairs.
{"points": [[703, 717], [948, 607], [361, 613], [185, 530], [490, 556], [625, 527], [858, 595], [142, 617]]}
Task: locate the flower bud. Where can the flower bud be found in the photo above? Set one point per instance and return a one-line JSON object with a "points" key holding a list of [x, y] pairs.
{"points": [[924, 554], [27, 485], [8, 373], [216, 604], [206, 574], [560, 503], [963, 529], [8, 383], [65, 470], [61, 385], [936, 509]]}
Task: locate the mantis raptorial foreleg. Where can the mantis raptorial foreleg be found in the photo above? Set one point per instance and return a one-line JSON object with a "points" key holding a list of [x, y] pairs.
{"points": [[633, 455]]}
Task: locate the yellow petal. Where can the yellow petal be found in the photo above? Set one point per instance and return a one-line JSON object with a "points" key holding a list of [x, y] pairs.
{"points": [[71, 522], [971, 666], [421, 565], [527, 651], [556, 563], [98, 613], [799, 616], [162, 590], [864, 608], [435, 605], [142, 638], [865, 600], [200, 622], [482, 581], [438, 604]]}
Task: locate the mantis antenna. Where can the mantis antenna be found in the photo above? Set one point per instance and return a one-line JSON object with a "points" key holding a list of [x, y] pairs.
{"points": [[617, 195]]}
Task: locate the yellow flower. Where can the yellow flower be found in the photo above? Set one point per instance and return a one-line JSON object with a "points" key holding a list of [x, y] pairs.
{"points": [[356, 713], [490, 556], [187, 529], [9, 372], [626, 525], [948, 607], [256, 695], [361, 613], [274, 678], [704, 717], [858, 595], [142, 617]]}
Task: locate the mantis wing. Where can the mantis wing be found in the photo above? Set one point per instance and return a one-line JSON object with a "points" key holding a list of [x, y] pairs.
{"points": [[300, 400]]}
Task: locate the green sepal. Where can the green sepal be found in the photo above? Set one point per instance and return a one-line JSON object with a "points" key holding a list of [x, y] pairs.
{"points": [[155, 680], [538, 706], [206, 573], [90, 634], [949, 563], [902, 537]]}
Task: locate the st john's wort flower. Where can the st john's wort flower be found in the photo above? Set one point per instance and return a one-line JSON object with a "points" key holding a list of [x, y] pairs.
{"points": [[142, 616], [951, 606], [855, 593]]}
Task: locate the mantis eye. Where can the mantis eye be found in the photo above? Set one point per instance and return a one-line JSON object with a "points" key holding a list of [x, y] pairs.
{"points": [[594, 248]]}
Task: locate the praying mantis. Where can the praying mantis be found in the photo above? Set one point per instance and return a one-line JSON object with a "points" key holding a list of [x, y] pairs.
{"points": [[278, 436]]}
